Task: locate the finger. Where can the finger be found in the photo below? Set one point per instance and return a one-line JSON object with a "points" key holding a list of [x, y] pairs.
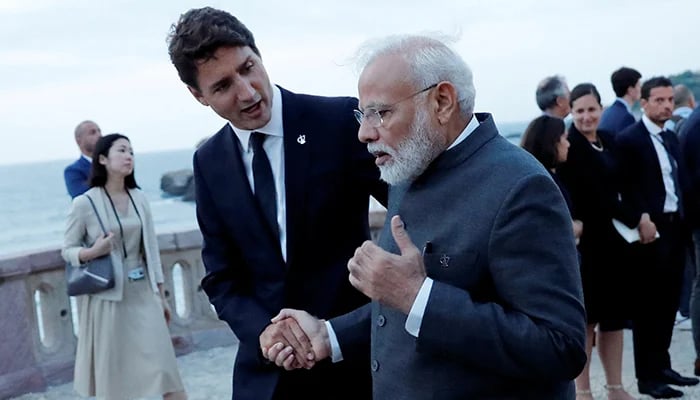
{"points": [[283, 355], [302, 338], [272, 353], [401, 237], [285, 313], [290, 362], [355, 282], [300, 346]]}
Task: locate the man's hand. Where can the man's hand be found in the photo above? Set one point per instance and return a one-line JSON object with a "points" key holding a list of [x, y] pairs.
{"points": [[315, 330], [289, 345], [647, 229], [393, 280]]}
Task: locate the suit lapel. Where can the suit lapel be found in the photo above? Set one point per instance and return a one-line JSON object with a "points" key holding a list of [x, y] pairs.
{"points": [[298, 139]]}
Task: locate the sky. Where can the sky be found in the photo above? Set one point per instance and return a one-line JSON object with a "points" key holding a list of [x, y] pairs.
{"points": [[64, 61]]}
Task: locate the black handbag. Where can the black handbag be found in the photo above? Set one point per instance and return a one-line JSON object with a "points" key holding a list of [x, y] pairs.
{"points": [[94, 276]]}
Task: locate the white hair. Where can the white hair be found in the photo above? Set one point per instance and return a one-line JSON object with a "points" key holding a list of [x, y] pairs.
{"points": [[430, 60]]}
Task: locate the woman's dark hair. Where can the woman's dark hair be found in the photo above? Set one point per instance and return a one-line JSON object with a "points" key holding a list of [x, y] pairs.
{"points": [[541, 137], [583, 89], [98, 173]]}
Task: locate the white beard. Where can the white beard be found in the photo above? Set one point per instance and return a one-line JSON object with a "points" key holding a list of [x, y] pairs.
{"points": [[412, 156]]}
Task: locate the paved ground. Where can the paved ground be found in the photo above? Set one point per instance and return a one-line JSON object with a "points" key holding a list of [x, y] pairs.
{"points": [[207, 374]]}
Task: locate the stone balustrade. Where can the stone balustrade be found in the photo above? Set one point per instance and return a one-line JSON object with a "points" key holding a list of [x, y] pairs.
{"points": [[38, 340]]}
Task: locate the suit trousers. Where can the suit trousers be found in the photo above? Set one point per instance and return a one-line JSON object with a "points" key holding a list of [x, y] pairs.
{"points": [[322, 382], [659, 275]]}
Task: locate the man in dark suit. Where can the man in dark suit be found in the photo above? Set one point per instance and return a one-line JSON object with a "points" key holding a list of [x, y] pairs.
{"points": [[475, 283], [282, 194], [77, 173], [651, 179], [627, 85], [690, 152]]}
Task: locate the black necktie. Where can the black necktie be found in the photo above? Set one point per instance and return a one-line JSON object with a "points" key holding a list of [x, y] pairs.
{"points": [[264, 182], [667, 137]]}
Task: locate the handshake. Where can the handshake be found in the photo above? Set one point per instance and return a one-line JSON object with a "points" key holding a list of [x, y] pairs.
{"points": [[295, 339]]}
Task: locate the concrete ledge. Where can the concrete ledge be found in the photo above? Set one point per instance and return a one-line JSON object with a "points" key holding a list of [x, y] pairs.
{"points": [[22, 381]]}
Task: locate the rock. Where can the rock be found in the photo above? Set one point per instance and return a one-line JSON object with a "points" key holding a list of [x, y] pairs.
{"points": [[189, 192], [176, 183]]}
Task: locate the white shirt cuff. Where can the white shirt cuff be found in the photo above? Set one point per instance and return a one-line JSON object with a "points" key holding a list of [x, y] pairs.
{"points": [[336, 354], [415, 316]]}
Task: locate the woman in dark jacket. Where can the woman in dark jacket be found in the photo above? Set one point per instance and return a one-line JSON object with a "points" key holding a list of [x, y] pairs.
{"points": [[590, 176]]}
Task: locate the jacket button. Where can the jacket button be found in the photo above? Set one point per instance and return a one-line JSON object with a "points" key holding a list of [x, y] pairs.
{"points": [[375, 365], [381, 321]]}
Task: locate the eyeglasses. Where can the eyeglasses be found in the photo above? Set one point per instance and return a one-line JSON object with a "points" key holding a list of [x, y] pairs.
{"points": [[375, 117]]}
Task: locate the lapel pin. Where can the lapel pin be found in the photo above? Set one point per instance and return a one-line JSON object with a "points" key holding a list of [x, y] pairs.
{"points": [[301, 139], [444, 260]]}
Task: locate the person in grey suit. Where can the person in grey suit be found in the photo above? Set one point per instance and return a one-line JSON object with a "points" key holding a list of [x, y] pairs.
{"points": [[475, 287]]}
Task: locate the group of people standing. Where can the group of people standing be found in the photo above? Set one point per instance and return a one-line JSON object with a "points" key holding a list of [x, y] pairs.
{"points": [[615, 170], [473, 289]]}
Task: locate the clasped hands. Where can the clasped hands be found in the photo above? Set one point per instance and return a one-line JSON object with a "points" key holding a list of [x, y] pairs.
{"points": [[296, 339]]}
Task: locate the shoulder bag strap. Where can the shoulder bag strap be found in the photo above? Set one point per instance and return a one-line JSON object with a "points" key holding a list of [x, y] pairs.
{"points": [[92, 203]]}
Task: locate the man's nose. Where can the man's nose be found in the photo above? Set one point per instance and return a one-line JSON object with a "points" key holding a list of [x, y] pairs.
{"points": [[367, 134], [245, 90]]}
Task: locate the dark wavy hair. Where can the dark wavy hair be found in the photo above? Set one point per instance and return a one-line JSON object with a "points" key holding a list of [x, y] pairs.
{"points": [[198, 34], [98, 173], [541, 137], [651, 83]]}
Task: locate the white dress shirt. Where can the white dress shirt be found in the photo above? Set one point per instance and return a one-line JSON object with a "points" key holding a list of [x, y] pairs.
{"points": [[671, 201], [274, 148]]}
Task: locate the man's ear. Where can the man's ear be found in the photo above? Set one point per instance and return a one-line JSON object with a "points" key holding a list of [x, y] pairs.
{"points": [[562, 101], [642, 103], [447, 101], [197, 95]]}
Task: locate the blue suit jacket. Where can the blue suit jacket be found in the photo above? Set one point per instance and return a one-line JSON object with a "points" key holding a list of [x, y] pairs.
{"points": [[76, 177], [505, 317], [615, 118], [328, 180]]}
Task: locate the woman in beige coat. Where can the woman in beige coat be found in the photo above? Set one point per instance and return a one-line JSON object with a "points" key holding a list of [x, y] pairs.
{"points": [[124, 348]]}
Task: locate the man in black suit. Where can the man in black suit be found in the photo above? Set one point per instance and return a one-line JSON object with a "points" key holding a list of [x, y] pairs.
{"points": [[627, 86], [651, 178], [689, 135], [282, 193]]}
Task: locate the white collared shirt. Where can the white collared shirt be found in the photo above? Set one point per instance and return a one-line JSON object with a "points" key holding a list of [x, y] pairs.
{"points": [[274, 148], [89, 159], [671, 201]]}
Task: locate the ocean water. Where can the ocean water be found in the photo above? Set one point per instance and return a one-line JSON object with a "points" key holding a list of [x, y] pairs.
{"points": [[34, 201]]}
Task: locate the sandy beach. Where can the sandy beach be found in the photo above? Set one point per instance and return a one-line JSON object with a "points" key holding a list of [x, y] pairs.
{"points": [[207, 374]]}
